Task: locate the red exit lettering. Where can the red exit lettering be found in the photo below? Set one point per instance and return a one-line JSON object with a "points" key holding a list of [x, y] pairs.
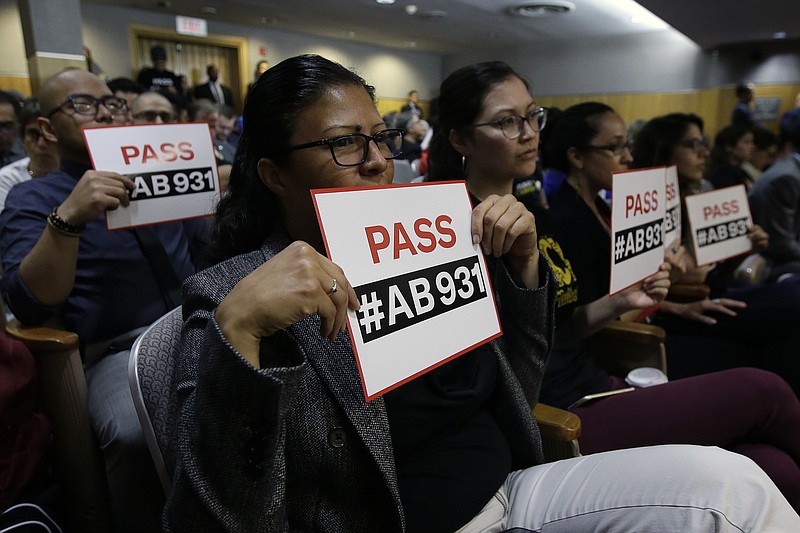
{"points": [[721, 210], [167, 152], [639, 204], [427, 236]]}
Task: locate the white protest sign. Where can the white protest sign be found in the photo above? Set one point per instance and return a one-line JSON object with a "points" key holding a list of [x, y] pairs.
{"points": [[423, 286], [720, 221], [172, 166], [672, 215], [637, 220]]}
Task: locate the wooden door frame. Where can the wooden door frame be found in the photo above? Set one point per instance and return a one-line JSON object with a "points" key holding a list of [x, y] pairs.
{"points": [[240, 44]]}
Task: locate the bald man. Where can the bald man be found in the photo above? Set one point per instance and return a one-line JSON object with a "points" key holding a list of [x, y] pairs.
{"points": [[60, 262], [152, 108]]}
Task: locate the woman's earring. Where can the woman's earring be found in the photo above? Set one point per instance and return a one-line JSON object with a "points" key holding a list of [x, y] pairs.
{"points": [[464, 166]]}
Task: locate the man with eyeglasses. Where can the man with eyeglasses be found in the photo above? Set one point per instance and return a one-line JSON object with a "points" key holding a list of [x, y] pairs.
{"points": [[61, 262], [10, 146], [152, 108]]}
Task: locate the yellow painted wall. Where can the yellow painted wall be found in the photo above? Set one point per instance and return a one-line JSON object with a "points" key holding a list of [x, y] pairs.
{"points": [[21, 84], [713, 105]]}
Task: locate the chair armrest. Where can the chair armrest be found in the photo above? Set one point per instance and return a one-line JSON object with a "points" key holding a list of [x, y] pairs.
{"points": [[42, 338], [688, 292], [633, 332], [557, 424]]}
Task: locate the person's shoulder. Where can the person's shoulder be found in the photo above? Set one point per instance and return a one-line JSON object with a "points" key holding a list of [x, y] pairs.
{"points": [[15, 172]]}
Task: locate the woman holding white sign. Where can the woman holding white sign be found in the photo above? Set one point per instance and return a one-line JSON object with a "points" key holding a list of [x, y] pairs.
{"points": [[489, 131]]}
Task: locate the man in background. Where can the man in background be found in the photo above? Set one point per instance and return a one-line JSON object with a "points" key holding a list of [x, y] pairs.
{"points": [[412, 105], [226, 118], [152, 108], [161, 80], [743, 114], [11, 148], [213, 89]]}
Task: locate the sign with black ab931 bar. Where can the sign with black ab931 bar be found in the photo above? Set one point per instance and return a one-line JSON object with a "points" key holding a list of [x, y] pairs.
{"points": [[720, 222], [172, 166], [422, 284]]}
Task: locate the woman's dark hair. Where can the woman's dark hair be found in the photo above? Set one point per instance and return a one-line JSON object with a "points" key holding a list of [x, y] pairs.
{"points": [[725, 139], [656, 141], [248, 210], [574, 127], [460, 102]]}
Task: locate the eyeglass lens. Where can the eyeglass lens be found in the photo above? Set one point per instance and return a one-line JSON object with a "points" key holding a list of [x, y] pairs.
{"points": [[512, 125], [88, 105], [151, 116], [352, 150]]}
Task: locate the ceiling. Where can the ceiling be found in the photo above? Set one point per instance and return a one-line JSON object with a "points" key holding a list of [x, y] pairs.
{"points": [[453, 26]]}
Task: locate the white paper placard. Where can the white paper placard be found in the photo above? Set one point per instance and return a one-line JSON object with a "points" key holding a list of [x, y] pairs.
{"points": [[720, 221], [172, 165], [672, 215], [637, 226], [423, 286]]}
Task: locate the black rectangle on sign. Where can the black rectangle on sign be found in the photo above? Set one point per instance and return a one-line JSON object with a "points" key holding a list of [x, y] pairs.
{"points": [[637, 240], [172, 183], [392, 304], [718, 233]]}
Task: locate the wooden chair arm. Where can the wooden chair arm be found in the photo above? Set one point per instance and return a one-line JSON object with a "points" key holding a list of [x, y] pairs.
{"points": [[557, 424], [688, 292], [633, 332], [42, 338]]}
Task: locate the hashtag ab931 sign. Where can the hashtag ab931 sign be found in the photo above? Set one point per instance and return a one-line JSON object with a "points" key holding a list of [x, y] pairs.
{"points": [[720, 221], [637, 226], [423, 286], [172, 166]]}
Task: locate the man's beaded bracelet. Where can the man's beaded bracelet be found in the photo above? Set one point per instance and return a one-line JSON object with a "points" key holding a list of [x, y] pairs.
{"points": [[62, 226]]}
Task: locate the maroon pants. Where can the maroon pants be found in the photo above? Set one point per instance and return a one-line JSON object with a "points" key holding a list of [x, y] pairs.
{"points": [[744, 410]]}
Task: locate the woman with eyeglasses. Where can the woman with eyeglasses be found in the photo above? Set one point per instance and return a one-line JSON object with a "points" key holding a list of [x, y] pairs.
{"points": [[735, 326], [42, 155], [489, 130]]}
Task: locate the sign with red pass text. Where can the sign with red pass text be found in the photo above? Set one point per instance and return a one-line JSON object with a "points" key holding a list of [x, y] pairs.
{"points": [[720, 221], [637, 226], [672, 214], [423, 285], [172, 166]]}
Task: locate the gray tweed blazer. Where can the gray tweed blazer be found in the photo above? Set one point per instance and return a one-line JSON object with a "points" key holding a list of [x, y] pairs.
{"points": [[297, 448]]}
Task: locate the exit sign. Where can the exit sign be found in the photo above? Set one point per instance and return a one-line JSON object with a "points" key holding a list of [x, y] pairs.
{"points": [[191, 26]]}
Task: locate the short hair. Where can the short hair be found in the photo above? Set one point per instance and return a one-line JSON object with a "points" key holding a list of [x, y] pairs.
{"points": [[12, 100], [30, 111], [248, 210], [158, 52], [201, 105], [744, 88], [461, 97], [125, 85], [226, 111]]}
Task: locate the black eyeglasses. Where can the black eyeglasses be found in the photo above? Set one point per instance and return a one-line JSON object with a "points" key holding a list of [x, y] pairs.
{"points": [[695, 144], [32, 135], [352, 149], [512, 125], [151, 116], [86, 104], [616, 149]]}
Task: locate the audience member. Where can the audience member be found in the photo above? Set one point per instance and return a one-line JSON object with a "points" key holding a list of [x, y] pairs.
{"points": [[261, 67], [11, 148], [765, 151], [213, 89], [412, 140], [152, 108], [733, 145], [222, 132], [489, 136], [271, 366], [412, 104], [489, 129], [735, 326], [42, 155], [775, 203], [61, 262], [743, 114], [125, 88], [158, 78]]}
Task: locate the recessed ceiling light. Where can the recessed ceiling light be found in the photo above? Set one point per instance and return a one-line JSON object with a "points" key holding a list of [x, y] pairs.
{"points": [[208, 10], [541, 9], [385, 2], [779, 35], [410, 44], [411, 9]]}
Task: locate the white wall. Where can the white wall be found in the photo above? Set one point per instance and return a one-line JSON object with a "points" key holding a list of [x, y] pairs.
{"points": [[12, 58]]}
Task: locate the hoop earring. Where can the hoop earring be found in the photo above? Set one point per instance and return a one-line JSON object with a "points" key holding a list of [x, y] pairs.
{"points": [[464, 166]]}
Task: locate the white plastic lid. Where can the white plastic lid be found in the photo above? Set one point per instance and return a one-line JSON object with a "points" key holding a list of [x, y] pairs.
{"points": [[645, 377]]}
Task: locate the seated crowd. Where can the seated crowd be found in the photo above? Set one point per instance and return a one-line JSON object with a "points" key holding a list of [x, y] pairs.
{"points": [[265, 371]]}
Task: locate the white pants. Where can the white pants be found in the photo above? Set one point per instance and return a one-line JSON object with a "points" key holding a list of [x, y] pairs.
{"points": [[669, 489]]}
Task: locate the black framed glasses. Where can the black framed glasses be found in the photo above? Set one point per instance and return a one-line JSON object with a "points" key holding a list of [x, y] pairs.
{"points": [[512, 125], [86, 104], [695, 145], [616, 149], [352, 149], [151, 116]]}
